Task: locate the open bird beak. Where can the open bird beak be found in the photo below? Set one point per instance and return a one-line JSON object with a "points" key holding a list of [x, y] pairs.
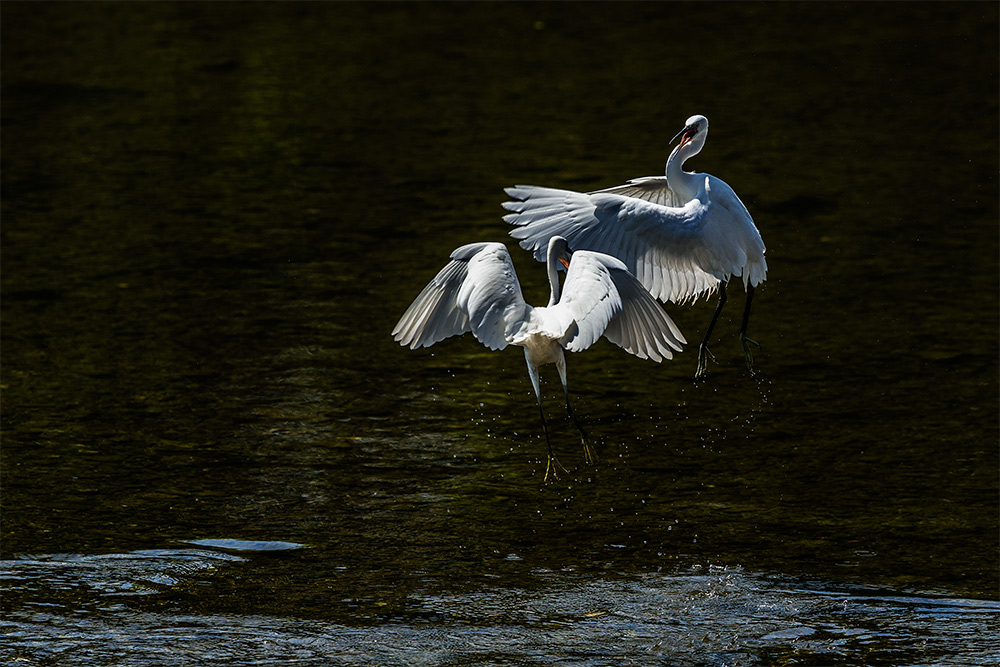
{"points": [[688, 134]]}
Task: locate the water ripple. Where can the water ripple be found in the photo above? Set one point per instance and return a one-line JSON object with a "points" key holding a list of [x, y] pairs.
{"points": [[707, 616]]}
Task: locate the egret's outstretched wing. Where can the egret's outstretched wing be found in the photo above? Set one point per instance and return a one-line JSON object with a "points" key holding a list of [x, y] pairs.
{"points": [[664, 247], [589, 300], [491, 295], [651, 188], [643, 328], [603, 298], [474, 292]]}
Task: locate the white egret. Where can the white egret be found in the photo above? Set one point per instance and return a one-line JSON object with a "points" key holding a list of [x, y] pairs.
{"points": [[682, 235], [478, 291]]}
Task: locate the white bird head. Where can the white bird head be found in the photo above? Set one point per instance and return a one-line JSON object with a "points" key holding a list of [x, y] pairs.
{"points": [[559, 251], [695, 131]]}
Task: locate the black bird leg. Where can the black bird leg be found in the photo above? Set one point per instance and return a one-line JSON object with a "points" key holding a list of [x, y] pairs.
{"points": [[703, 350], [588, 453], [551, 465], [743, 330]]}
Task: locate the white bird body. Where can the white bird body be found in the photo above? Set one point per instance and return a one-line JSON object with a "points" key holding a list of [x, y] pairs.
{"points": [[541, 346], [683, 235], [478, 291]]}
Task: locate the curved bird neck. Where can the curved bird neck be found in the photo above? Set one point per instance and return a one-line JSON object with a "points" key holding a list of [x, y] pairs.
{"points": [[683, 183], [553, 272]]}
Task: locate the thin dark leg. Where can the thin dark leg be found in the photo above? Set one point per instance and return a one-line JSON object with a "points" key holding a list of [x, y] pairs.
{"points": [[703, 350], [588, 453], [551, 464], [743, 329]]}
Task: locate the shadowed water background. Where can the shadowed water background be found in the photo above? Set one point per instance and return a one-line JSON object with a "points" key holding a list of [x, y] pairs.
{"points": [[213, 215]]}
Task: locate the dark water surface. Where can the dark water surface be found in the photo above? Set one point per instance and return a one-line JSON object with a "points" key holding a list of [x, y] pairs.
{"points": [[213, 452]]}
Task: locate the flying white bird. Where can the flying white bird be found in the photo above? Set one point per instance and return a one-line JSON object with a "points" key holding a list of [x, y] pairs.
{"points": [[682, 235], [478, 291]]}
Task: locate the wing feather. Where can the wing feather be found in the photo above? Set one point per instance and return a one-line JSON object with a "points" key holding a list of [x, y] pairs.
{"points": [[654, 334], [678, 252], [476, 291], [491, 295], [434, 315], [650, 188], [605, 299], [589, 298]]}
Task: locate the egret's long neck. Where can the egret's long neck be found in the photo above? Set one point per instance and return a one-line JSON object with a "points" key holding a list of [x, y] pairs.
{"points": [[684, 183], [553, 264]]}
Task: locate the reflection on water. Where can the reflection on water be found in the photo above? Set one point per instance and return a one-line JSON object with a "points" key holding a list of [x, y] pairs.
{"points": [[213, 214], [705, 616]]}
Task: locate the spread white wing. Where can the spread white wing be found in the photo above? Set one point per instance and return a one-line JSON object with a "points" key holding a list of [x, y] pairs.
{"points": [[603, 298], [476, 291], [677, 252]]}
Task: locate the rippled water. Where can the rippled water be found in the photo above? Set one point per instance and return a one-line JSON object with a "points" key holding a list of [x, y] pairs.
{"points": [[704, 616], [212, 450]]}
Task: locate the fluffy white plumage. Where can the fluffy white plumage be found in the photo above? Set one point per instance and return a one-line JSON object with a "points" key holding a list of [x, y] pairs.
{"points": [[478, 291]]}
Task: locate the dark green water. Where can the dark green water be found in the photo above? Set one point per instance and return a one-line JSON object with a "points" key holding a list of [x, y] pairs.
{"points": [[213, 214]]}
